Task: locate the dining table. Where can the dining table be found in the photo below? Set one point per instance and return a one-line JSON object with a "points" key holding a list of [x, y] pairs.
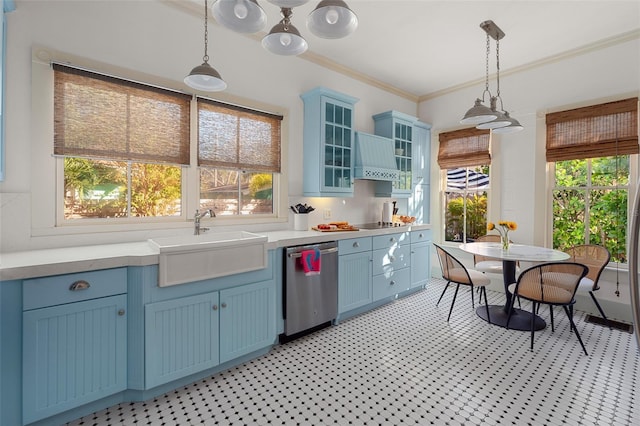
{"points": [[499, 314]]}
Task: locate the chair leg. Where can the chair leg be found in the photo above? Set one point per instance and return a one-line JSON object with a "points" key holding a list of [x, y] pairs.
{"points": [[533, 320], [551, 315], [513, 301], [486, 302], [453, 301], [443, 291], [593, 297], [473, 304], [570, 315]]}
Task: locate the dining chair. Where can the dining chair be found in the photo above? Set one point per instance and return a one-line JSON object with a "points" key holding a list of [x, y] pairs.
{"points": [[453, 271], [484, 263], [596, 258], [553, 284]]}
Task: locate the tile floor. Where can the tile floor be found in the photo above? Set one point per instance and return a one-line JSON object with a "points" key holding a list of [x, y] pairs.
{"points": [[403, 364]]}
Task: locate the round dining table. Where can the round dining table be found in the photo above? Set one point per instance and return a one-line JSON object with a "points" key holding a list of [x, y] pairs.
{"points": [[499, 314]]}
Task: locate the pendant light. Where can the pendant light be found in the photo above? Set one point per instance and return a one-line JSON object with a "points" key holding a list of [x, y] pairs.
{"points": [[332, 19], [243, 16], [284, 38], [205, 77], [491, 117]]}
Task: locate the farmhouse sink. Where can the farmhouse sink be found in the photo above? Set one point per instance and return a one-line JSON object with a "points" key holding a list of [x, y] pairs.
{"points": [[189, 258]]}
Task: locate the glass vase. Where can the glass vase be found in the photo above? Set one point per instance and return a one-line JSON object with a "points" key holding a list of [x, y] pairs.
{"points": [[505, 242]]}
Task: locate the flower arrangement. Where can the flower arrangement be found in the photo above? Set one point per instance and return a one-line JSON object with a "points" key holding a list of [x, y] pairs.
{"points": [[504, 232]]}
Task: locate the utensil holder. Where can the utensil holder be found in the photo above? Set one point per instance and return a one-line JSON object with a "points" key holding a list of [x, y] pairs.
{"points": [[300, 222]]}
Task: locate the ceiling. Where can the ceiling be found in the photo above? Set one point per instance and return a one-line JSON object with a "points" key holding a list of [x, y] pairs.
{"points": [[420, 48]]}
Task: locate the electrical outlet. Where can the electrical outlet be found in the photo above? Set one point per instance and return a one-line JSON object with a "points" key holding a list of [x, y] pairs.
{"points": [[326, 214]]}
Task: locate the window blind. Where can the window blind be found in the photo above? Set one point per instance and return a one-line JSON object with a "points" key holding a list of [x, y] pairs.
{"points": [[98, 116], [464, 148], [233, 137], [602, 130]]}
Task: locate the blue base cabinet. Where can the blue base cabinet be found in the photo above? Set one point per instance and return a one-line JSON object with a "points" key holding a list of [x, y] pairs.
{"points": [[391, 262], [420, 258], [354, 273], [73, 353], [181, 338]]}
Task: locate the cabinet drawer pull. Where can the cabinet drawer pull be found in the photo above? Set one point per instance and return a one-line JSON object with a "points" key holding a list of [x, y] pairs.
{"points": [[224, 305], [121, 312], [356, 244], [79, 285]]}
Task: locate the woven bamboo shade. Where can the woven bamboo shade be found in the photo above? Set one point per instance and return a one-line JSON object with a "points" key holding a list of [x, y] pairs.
{"points": [[238, 138], [595, 131], [98, 116], [464, 148]]}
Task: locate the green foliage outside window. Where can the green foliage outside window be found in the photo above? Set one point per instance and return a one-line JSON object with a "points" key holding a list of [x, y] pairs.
{"points": [[590, 204]]}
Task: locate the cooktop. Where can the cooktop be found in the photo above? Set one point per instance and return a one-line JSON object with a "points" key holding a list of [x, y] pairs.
{"points": [[379, 225]]}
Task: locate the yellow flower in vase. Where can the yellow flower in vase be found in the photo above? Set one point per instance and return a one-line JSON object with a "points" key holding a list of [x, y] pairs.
{"points": [[504, 232]]}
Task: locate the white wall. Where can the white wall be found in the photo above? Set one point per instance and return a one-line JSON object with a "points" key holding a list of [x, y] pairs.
{"points": [[518, 162], [156, 43]]}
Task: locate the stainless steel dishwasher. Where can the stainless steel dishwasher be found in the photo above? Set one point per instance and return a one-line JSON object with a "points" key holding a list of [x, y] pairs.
{"points": [[310, 301]]}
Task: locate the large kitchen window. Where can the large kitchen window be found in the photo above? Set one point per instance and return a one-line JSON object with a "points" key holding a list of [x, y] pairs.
{"points": [[126, 152], [238, 155], [590, 150], [464, 158]]}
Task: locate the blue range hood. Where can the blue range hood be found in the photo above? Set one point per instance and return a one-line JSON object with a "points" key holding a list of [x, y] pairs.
{"points": [[375, 158]]}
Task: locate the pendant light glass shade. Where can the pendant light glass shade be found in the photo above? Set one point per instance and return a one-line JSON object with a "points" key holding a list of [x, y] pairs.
{"points": [[332, 19], [284, 38], [243, 16], [478, 114], [513, 127], [205, 77]]}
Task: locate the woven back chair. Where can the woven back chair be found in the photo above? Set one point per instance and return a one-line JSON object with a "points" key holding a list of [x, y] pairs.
{"points": [[553, 284], [454, 271], [485, 263]]}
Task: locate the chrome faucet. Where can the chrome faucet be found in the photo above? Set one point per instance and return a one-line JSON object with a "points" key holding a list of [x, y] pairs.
{"points": [[196, 220]]}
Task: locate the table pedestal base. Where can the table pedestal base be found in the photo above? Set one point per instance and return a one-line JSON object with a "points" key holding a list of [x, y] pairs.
{"points": [[520, 319]]}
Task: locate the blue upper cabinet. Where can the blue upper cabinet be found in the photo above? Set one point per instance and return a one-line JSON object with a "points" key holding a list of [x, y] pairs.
{"points": [[421, 153], [399, 127], [328, 143]]}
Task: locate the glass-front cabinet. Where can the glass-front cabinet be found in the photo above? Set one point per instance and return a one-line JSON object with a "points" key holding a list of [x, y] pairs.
{"points": [[328, 143], [399, 127]]}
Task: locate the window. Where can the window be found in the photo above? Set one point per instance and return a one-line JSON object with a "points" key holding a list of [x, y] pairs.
{"points": [[590, 150], [123, 145], [465, 159], [238, 155]]}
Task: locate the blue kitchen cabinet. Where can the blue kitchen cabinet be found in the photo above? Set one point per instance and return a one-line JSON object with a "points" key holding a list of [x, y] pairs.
{"points": [[328, 143], [74, 341], [421, 153], [400, 128], [420, 258], [247, 319], [391, 263], [354, 273], [181, 337]]}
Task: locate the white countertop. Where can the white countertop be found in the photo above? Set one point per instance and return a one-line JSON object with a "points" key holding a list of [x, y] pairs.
{"points": [[56, 261]]}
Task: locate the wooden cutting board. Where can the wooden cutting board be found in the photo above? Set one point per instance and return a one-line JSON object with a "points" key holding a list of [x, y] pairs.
{"points": [[352, 228]]}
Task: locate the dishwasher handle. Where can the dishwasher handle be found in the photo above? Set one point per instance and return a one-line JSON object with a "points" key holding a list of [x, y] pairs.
{"points": [[325, 251]]}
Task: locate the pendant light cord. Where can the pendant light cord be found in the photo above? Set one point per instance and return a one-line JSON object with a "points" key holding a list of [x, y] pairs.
{"points": [[205, 58], [486, 70]]}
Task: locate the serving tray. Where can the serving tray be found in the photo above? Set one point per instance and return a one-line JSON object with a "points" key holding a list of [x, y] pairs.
{"points": [[352, 228]]}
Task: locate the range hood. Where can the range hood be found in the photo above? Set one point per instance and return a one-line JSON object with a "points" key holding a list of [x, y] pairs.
{"points": [[375, 158]]}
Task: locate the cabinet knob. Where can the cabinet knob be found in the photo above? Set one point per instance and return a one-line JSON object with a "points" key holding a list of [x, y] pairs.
{"points": [[215, 307], [421, 235], [79, 285], [392, 240], [224, 305], [392, 283], [121, 312], [392, 258], [356, 244]]}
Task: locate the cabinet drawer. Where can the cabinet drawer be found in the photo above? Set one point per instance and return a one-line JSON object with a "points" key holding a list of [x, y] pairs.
{"points": [[354, 245], [422, 236], [388, 260], [390, 240], [392, 283], [57, 290]]}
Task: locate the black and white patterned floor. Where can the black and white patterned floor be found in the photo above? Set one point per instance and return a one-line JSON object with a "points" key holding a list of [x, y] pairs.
{"points": [[404, 364]]}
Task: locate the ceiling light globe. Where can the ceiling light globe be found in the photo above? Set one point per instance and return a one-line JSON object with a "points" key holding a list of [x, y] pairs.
{"points": [[240, 10], [285, 41], [243, 16], [204, 77], [513, 127], [332, 16], [478, 114], [500, 121]]}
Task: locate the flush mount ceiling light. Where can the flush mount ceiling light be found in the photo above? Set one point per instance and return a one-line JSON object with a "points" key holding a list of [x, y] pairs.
{"points": [[331, 19], [205, 77], [498, 120]]}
